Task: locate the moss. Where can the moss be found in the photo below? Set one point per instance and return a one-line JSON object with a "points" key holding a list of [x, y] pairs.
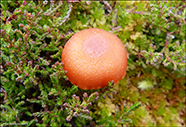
{"points": [[36, 92]]}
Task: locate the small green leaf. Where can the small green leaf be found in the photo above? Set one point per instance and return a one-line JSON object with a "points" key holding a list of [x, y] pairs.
{"points": [[154, 72], [133, 107]]}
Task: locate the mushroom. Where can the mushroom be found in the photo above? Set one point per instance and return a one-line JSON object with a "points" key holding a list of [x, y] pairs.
{"points": [[93, 58]]}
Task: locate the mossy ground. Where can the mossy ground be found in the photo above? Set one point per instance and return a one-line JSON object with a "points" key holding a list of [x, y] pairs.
{"points": [[36, 92]]}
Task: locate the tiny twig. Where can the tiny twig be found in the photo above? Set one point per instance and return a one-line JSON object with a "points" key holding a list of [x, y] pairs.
{"points": [[66, 17], [107, 5], [5, 95]]}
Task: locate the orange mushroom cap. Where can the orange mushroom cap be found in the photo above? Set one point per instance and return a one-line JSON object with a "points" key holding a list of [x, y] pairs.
{"points": [[94, 57]]}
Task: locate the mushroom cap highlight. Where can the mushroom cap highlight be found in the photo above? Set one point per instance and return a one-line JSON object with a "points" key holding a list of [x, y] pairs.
{"points": [[94, 57]]}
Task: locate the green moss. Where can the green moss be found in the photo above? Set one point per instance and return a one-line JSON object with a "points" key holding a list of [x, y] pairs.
{"points": [[34, 87]]}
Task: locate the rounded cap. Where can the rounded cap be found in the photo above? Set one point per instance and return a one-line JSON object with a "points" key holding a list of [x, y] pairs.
{"points": [[94, 57]]}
